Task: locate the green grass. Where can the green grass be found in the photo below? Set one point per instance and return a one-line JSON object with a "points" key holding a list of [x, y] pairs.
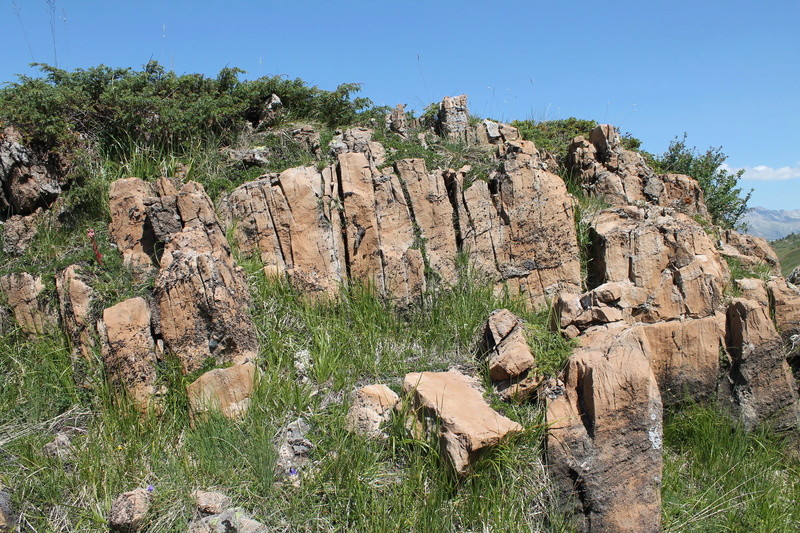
{"points": [[788, 250], [718, 478]]}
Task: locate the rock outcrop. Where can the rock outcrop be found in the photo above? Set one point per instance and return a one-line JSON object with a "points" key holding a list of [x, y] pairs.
{"points": [[24, 296], [466, 423], [506, 346], [19, 232], [128, 229], [28, 180], [750, 251], [622, 177], [129, 351], [75, 298], [452, 120], [794, 276], [223, 390], [605, 434], [761, 383]]}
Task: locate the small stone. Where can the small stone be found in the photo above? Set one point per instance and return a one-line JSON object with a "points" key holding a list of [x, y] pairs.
{"points": [[372, 406], [234, 520], [210, 502], [128, 511], [507, 348], [60, 447], [6, 518]]}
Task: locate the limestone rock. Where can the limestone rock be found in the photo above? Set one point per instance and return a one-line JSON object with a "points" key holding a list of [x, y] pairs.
{"points": [[128, 511], [134, 238], [23, 294], [452, 120], [372, 406], [467, 424], [129, 350], [622, 177], [506, 345], [379, 232], [7, 520], [234, 520], [605, 434], [761, 382], [29, 180], [672, 265], [289, 219], [225, 390], [519, 230], [210, 502], [19, 232], [75, 298], [60, 447], [784, 301], [750, 251], [433, 214]]}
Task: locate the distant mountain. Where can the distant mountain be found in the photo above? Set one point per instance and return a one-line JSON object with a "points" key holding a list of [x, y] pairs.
{"points": [[771, 225]]}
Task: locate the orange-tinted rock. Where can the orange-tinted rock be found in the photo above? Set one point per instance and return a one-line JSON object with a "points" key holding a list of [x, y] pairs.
{"points": [[605, 437], [23, 294], [761, 382], [226, 390], [129, 350], [467, 424], [134, 238], [508, 353], [128, 511], [372, 406], [784, 302], [750, 251], [75, 298]]}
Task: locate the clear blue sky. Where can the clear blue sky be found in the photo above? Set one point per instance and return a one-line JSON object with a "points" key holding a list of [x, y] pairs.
{"points": [[725, 72]]}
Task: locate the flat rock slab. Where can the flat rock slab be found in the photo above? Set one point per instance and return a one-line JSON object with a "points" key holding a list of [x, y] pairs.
{"points": [[468, 424]]}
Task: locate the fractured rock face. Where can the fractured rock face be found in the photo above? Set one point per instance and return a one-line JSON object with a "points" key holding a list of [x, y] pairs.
{"points": [[468, 424], [750, 251], [519, 228], [128, 511], [372, 406], [359, 140], [379, 231], [134, 238], [75, 298], [784, 300], [605, 434], [290, 221], [622, 177], [669, 260], [762, 386], [506, 346], [433, 215], [794, 276], [129, 350], [452, 120], [19, 232], [28, 180], [396, 121], [224, 390], [490, 132], [23, 295]]}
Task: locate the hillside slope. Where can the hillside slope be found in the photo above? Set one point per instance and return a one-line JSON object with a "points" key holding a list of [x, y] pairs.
{"points": [[788, 250]]}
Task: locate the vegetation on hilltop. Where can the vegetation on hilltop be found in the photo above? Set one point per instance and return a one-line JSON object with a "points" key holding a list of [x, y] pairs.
{"points": [[788, 250]]}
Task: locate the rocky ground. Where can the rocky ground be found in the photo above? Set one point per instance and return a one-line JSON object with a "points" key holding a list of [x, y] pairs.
{"points": [[365, 341]]}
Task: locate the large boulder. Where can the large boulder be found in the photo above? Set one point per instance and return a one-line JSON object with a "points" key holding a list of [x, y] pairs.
{"points": [[784, 301], [518, 229], [605, 434], [622, 177], [466, 423], [129, 351], [761, 384]]}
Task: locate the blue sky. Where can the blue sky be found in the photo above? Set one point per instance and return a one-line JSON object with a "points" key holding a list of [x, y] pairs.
{"points": [[726, 73]]}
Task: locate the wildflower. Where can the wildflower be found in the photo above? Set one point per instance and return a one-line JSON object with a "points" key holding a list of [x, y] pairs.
{"points": [[98, 256], [293, 471], [150, 488]]}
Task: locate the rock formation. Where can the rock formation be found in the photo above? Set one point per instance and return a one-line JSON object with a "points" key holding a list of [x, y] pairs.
{"points": [[128, 511], [24, 296], [372, 406], [223, 390], [452, 120], [75, 298], [28, 179]]}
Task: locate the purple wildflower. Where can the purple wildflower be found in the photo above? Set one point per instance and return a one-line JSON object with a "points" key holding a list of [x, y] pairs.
{"points": [[150, 488], [293, 471]]}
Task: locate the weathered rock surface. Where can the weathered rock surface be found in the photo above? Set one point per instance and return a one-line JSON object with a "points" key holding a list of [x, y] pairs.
{"points": [[19, 232], [129, 350], [372, 406], [210, 502], [433, 214], [28, 180], [75, 298], [60, 447], [750, 251], [294, 448], [359, 140], [234, 520], [784, 301], [506, 346], [24, 297], [128, 511], [308, 138], [224, 390], [7, 521], [604, 442], [379, 234], [761, 382], [128, 230], [671, 264], [753, 289], [452, 120], [518, 229], [289, 219], [396, 121], [201, 294], [794, 276], [490, 132], [467, 424], [622, 177]]}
